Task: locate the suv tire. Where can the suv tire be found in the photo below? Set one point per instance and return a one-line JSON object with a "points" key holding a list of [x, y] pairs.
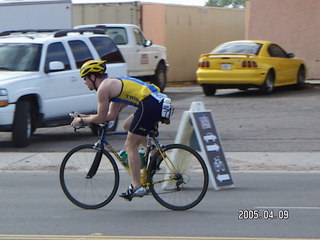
{"points": [[21, 132]]}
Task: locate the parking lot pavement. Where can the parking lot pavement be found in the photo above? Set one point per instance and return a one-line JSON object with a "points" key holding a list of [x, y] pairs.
{"points": [[237, 161], [264, 160]]}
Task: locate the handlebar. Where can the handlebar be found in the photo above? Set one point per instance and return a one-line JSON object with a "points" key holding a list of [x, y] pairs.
{"points": [[76, 128], [73, 115]]}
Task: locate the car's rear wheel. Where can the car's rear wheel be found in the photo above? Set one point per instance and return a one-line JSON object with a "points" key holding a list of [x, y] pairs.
{"points": [[160, 77], [268, 85], [209, 90]]}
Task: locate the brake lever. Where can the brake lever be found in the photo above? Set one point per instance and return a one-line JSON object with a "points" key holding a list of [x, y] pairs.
{"points": [[76, 128], [73, 115]]}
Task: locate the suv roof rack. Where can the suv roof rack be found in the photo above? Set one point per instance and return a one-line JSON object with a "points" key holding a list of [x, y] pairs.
{"points": [[63, 33], [23, 31], [58, 32]]}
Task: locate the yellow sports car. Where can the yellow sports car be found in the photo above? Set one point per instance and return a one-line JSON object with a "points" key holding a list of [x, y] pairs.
{"points": [[246, 64]]}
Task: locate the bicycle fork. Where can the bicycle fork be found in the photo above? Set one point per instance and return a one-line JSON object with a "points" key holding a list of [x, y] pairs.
{"points": [[95, 165], [96, 161]]}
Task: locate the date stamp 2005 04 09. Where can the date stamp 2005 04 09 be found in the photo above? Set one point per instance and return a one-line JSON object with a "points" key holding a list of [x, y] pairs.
{"points": [[255, 214]]}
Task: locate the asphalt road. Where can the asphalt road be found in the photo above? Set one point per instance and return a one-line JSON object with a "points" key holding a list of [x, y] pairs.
{"points": [[32, 203]]}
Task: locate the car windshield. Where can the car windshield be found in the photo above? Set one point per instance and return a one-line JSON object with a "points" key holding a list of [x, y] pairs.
{"points": [[239, 48], [19, 57]]}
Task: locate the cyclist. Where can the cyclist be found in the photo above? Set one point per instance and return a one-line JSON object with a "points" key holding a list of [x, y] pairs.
{"points": [[112, 93]]}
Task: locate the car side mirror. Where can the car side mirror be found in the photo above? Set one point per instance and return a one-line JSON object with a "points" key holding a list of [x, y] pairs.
{"points": [[55, 66], [147, 43], [290, 55]]}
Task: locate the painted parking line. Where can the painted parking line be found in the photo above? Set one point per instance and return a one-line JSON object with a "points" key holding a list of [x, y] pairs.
{"points": [[101, 237]]}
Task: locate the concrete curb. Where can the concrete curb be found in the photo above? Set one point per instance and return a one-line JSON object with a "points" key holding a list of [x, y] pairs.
{"points": [[313, 83]]}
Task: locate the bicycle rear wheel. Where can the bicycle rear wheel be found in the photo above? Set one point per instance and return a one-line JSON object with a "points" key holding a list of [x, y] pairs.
{"points": [[89, 192], [181, 180]]}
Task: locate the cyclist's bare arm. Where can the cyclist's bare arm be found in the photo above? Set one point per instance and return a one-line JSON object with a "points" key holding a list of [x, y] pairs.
{"points": [[106, 111]]}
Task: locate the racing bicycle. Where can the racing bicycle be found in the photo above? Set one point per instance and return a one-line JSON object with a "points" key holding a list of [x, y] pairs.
{"points": [[174, 174]]}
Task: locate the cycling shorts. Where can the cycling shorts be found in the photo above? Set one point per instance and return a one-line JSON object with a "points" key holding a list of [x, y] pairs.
{"points": [[146, 116]]}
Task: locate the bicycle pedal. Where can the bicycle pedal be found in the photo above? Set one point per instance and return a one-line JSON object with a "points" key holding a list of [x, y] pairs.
{"points": [[127, 198]]}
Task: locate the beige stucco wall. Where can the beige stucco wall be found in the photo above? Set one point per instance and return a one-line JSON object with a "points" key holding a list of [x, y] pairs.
{"points": [[153, 22], [293, 24]]}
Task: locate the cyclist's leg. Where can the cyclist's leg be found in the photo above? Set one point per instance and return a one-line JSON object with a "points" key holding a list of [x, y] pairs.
{"points": [[132, 144], [140, 124], [127, 122], [132, 147]]}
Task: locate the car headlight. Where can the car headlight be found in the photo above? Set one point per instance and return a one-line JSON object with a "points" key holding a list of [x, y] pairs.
{"points": [[3, 97]]}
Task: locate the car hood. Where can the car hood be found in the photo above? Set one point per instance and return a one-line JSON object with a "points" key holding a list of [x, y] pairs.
{"points": [[9, 77], [162, 48]]}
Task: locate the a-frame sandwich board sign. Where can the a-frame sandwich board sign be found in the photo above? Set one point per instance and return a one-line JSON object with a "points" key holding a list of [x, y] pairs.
{"points": [[197, 129]]}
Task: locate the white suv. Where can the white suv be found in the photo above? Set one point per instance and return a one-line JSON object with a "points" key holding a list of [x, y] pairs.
{"points": [[39, 77]]}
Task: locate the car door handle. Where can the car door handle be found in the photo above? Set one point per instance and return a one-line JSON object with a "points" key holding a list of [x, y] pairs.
{"points": [[73, 79]]}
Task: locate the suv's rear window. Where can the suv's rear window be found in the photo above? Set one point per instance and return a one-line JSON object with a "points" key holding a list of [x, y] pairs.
{"points": [[238, 47], [20, 56], [107, 49]]}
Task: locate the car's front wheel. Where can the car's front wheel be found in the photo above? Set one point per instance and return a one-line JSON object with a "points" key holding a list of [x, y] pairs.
{"points": [[209, 90], [268, 85], [22, 125]]}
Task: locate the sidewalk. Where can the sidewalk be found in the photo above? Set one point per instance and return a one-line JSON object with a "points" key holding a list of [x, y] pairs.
{"points": [[237, 161], [314, 82]]}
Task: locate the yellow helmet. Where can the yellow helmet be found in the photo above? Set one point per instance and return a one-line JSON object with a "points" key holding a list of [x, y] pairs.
{"points": [[92, 66]]}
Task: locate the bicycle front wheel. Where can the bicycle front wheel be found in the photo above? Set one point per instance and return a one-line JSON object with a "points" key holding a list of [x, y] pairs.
{"points": [[82, 187], [178, 177]]}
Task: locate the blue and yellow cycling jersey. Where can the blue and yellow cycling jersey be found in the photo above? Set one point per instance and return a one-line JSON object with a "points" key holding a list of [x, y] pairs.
{"points": [[134, 91]]}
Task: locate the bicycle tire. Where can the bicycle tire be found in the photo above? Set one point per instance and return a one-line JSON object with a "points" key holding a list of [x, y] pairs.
{"points": [[191, 177], [88, 193]]}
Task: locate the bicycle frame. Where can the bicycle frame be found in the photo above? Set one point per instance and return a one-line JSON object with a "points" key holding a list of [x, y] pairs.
{"points": [[152, 142]]}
